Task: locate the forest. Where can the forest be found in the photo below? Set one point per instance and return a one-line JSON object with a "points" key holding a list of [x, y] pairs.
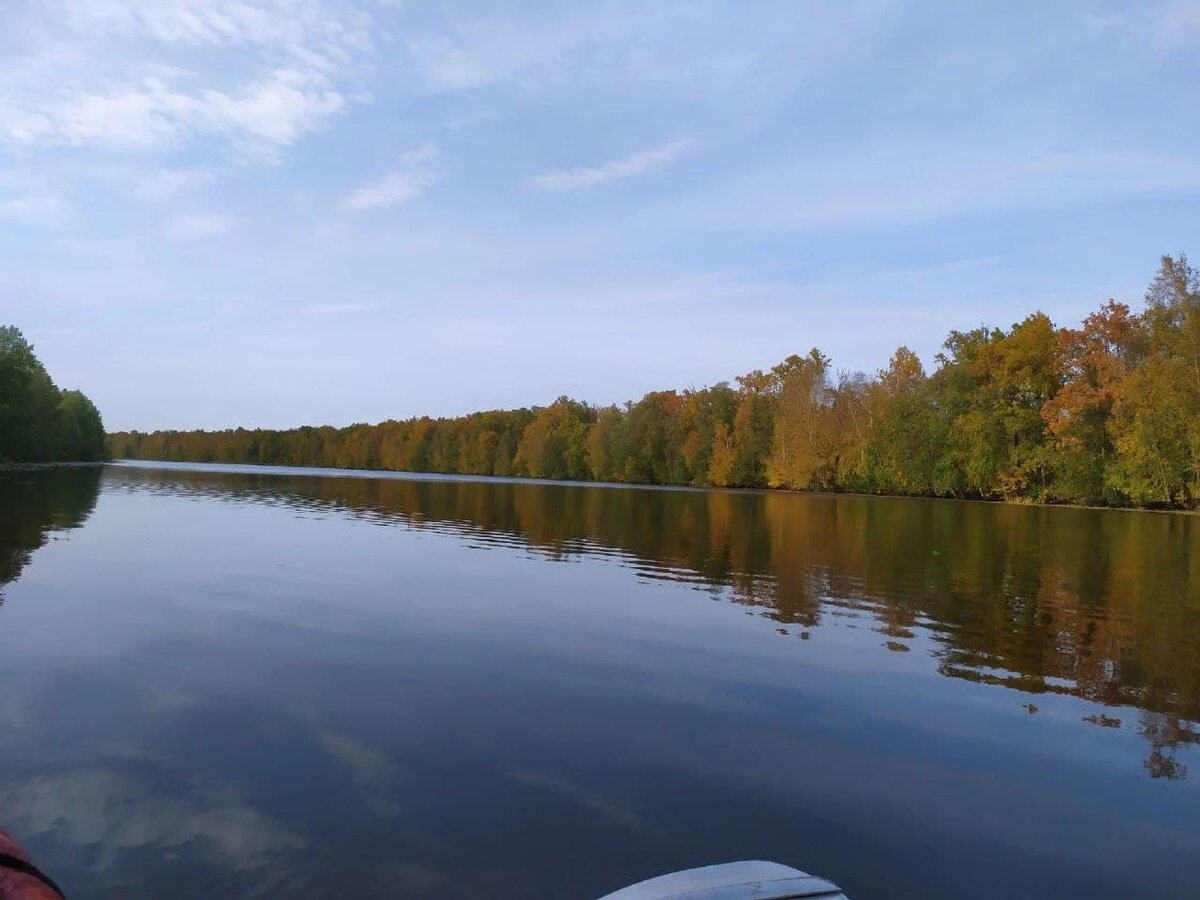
{"points": [[1106, 413], [38, 421]]}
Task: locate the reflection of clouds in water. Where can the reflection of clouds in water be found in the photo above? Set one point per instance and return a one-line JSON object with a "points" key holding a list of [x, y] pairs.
{"points": [[368, 767], [119, 811], [612, 810]]}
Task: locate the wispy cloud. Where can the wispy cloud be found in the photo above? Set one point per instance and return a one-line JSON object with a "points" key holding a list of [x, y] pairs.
{"points": [[263, 74], [198, 227], [413, 177], [629, 167], [262, 116], [213, 22]]}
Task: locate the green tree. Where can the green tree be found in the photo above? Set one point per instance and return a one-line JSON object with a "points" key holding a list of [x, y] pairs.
{"points": [[908, 445], [554, 444], [753, 430], [39, 423], [81, 431], [1156, 416]]}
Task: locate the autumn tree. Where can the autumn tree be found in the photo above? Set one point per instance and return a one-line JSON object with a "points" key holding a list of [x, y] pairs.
{"points": [[805, 434], [554, 444], [1093, 363], [1156, 417], [1108, 412]]}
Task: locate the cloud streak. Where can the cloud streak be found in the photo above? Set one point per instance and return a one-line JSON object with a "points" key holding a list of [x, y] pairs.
{"points": [[260, 75], [631, 166], [415, 175]]}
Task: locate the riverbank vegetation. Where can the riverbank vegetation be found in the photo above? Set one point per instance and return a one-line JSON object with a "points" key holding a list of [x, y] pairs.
{"points": [[1106, 413], [39, 422]]}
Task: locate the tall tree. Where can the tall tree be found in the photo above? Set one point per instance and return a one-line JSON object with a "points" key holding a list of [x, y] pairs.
{"points": [[1093, 363], [804, 439], [39, 423], [1156, 419], [554, 444], [907, 443]]}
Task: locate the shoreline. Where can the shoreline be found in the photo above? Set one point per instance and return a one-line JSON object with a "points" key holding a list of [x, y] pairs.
{"points": [[336, 471]]}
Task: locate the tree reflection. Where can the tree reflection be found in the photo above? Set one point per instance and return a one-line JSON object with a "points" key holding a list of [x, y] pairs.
{"points": [[1167, 735], [36, 502], [1100, 605]]}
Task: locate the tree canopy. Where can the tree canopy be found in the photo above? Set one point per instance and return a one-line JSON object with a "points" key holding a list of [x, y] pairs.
{"points": [[1107, 413], [39, 422]]}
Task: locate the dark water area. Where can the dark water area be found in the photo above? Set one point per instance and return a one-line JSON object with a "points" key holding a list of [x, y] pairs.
{"points": [[223, 682]]}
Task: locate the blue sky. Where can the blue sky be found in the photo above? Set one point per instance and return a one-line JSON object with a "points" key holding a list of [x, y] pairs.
{"points": [[276, 212]]}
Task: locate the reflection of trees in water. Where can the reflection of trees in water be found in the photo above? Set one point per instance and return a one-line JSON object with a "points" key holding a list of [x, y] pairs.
{"points": [[34, 502], [1100, 605], [1167, 735]]}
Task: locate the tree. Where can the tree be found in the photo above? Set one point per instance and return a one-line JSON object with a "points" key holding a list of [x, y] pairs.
{"points": [[39, 423], [991, 387], [1107, 412], [908, 440], [81, 431], [554, 444], [1156, 417], [805, 433], [1093, 364], [601, 450], [753, 428]]}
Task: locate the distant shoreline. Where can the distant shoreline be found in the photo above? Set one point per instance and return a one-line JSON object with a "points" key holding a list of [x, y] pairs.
{"points": [[16, 466]]}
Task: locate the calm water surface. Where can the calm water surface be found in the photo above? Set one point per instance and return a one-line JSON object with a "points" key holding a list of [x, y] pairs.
{"points": [[234, 682]]}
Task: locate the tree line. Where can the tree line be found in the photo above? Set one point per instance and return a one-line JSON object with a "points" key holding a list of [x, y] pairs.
{"points": [[38, 421], [1106, 413]]}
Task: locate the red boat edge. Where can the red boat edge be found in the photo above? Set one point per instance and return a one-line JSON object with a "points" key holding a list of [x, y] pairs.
{"points": [[20, 878]]}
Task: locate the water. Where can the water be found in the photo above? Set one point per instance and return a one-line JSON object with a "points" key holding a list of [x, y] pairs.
{"points": [[235, 682]]}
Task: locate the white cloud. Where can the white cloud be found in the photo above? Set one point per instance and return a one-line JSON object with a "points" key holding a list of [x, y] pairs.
{"points": [[415, 175], [630, 166], [264, 115], [260, 74], [188, 228], [204, 21], [276, 109]]}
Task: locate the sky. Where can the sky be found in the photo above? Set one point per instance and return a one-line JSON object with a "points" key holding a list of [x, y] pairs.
{"points": [[282, 212]]}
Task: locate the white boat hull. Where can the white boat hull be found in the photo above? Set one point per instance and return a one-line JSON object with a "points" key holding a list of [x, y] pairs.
{"points": [[732, 881]]}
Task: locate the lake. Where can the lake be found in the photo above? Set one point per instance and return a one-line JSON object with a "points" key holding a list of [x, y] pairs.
{"points": [[221, 681]]}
